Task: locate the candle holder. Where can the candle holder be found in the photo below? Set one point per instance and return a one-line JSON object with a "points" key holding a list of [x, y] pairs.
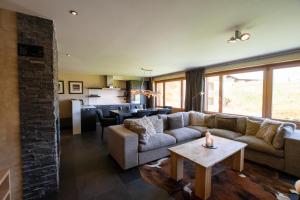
{"points": [[209, 147]]}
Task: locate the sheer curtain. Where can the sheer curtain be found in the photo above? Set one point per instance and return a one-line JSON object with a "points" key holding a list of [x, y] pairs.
{"points": [[195, 84]]}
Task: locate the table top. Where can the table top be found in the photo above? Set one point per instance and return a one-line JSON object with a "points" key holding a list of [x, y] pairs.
{"points": [[195, 152]]}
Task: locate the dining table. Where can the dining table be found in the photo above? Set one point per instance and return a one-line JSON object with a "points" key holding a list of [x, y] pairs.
{"points": [[121, 115]]}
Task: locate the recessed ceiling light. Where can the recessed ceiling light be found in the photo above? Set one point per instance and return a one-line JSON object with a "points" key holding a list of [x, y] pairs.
{"points": [[68, 55], [73, 12]]}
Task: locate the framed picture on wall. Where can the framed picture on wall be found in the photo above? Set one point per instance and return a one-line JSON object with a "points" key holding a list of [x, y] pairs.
{"points": [[61, 88], [75, 87]]}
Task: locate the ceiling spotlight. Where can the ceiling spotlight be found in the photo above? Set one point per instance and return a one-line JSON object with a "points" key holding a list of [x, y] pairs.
{"points": [[73, 12], [238, 36], [245, 36], [68, 55]]}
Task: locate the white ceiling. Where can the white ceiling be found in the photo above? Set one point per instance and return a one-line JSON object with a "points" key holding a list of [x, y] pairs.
{"points": [[118, 37]]}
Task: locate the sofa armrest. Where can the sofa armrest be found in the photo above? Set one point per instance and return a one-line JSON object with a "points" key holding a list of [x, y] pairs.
{"points": [[292, 153], [123, 146]]}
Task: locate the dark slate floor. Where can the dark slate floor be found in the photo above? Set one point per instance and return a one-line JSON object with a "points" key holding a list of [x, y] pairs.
{"points": [[87, 172]]}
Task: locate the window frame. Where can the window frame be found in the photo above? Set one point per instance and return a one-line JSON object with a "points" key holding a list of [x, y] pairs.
{"points": [[267, 85], [164, 92]]}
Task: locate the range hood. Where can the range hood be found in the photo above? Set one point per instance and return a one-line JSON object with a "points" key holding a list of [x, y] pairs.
{"points": [[110, 81]]}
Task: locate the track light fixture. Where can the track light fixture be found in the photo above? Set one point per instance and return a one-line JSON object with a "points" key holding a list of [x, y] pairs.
{"points": [[238, 36]]}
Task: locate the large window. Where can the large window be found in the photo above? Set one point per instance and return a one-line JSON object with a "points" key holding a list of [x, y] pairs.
{"points": [[160, 97], [171, 93], [268, 91], [212, 98], [243, 93], [286, 93]]}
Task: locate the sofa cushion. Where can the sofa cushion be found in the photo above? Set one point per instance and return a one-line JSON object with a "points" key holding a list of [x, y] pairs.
{"points": [[186, 118], [182, 134], [175, 121], [199, 128], [164, 117], [226, 122], [252, 127], [157, 141], [285, 130], [143, 127], [241, 123], [267, 130], [157, 123], [259, 145], [225, 133], [197, 119]]}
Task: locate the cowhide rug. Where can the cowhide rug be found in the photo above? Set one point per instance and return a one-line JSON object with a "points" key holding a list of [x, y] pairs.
{"points": [[255, 182]]}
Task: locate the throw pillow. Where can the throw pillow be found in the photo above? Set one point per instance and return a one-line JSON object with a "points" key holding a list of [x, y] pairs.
{"points": [[252, 127], [241, 124], [175, 121], [227, 123], [209, 120], [285, 130], [267, 131], [197, 119], [144, 128], [164, 117], [157, 123]]}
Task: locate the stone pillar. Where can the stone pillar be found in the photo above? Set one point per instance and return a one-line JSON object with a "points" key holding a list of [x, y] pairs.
{"points": [[37, 61]]}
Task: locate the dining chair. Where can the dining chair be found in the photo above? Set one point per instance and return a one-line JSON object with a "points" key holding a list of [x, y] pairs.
{"points": [[169, 109], [141, 113], [104, 121], [163, 111]]}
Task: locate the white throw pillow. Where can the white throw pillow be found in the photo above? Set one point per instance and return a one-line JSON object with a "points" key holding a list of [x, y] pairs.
{"points": [[197, 119], [144, 128]]}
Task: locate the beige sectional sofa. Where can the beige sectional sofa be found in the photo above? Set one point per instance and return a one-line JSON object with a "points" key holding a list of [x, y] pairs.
{"points": [[125, 147]]}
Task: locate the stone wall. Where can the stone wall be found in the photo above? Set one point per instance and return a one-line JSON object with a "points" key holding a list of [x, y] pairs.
{"points": [[37, 62]]}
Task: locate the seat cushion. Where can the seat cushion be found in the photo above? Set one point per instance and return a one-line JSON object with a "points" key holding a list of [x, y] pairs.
{"points": [[157, 141], [224, 133], [260, 145], [199, 128], [183, 134]]}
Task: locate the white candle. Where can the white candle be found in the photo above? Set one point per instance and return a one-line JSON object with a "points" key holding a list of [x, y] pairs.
{"points": [[209, 139]]}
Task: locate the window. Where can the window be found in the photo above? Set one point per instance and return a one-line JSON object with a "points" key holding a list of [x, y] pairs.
{"points": [[171, 93], [212, 97], [286, 93], [160, 96], [271, 91], [243, 93]]}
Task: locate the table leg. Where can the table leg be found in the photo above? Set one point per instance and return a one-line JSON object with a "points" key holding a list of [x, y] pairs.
{"points": [[176, 167], [238, 161], [203, 182]]}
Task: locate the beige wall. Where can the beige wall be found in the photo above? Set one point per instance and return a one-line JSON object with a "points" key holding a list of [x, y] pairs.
{"points": [[88, 81], [10, 148], [169, 76]]}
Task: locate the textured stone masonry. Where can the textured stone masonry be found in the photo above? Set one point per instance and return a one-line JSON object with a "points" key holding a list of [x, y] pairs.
{"points": [[38, 108]]}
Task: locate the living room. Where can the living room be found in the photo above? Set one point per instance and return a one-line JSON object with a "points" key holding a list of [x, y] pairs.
{"points": [[130, 99]]}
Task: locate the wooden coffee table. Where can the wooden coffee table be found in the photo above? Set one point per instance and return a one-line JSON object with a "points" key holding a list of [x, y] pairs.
{"points": [[227, 150]]}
